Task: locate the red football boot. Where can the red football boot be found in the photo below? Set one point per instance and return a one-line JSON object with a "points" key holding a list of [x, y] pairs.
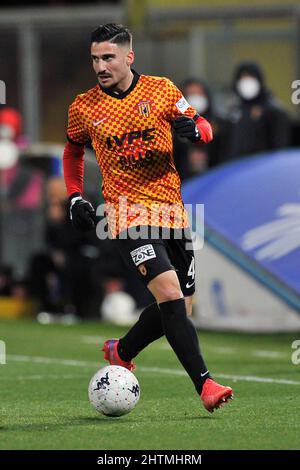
{"points": [[215, 395], [111, 354]]}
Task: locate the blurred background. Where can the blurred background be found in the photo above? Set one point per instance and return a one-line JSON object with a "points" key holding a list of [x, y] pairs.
{"points": [[236, 62]]}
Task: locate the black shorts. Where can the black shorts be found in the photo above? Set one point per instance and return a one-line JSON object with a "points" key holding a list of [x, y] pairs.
{"points": [[162, 250]]}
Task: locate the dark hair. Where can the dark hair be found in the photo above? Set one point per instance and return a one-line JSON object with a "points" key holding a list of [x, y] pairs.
{"points": [[115, 33]]}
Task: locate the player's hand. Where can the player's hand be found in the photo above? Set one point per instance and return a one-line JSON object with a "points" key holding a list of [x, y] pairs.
{"points": [[186, 127], [82, 214]]}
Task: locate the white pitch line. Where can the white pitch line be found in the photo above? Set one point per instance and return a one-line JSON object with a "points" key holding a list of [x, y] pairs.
{"points": [[98, 340], [264, 353], [223, 350], [51, 360], [250, 378], [156, 370], [268, 354], [247, 378], [42, 377]]}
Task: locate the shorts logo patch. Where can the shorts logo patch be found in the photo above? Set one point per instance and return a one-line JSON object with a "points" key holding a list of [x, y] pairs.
{"points": [[142, 254]]}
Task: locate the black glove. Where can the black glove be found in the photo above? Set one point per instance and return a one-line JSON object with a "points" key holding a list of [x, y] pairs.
{"points": [[82, 213], [186, 127]]}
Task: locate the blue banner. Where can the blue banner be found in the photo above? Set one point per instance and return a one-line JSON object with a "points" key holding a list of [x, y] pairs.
{"points": [[254, 203]]}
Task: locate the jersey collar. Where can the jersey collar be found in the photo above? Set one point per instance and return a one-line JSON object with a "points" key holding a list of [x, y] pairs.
{"points": [[119, 96]]}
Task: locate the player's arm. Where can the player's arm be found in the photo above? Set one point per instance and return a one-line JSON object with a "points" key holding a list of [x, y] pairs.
{"points": [[82, 212], [186, 121]]}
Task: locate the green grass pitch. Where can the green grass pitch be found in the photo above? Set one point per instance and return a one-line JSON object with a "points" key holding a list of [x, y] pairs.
{"points": [[44, 404]]}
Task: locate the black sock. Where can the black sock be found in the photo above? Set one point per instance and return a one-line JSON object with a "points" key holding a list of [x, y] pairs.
{"points": [[183, 338], [147, 329]]}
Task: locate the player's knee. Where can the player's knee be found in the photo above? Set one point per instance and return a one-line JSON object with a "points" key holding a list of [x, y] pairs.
{"points": [[167, 293], [165, 287]]}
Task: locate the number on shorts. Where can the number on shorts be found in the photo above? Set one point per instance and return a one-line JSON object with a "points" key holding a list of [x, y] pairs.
{"points": [[191, 271]]}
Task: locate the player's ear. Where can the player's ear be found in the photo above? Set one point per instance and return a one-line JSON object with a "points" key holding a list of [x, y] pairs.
{"points": [[130, 57]]}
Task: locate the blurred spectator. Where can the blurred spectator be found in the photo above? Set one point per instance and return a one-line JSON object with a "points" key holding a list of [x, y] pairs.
{"points": [[258, 122], [19, 290], [191, 159], [19, 185], [61, 278], [21, 194], [11, 123], [6, 281], [11, 119], [11, 287]]}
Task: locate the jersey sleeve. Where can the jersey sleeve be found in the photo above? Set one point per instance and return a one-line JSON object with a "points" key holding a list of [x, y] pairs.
{"points": [[205, 130], [76, 131], [177, 105], [73, 165]]}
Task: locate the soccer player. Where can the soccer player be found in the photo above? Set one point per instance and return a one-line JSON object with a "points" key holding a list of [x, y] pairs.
{"points": [[129, 117]]}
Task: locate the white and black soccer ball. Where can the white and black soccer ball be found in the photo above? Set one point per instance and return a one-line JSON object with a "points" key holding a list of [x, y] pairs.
{"points": [[114, 391]]}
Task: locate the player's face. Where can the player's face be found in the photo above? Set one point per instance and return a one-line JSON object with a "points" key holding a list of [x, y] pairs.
{"points": [[111, 63]]}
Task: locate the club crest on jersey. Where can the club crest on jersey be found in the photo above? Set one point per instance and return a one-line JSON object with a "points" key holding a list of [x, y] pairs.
{"points": [[144, 108], [142, 254]]}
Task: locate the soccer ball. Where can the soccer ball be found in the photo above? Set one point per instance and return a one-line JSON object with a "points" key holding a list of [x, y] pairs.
{"points": [[114, 391]]}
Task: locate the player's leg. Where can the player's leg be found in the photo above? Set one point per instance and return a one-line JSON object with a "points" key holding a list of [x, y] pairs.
{"points": [[147, 258], [189, 305], [212, 394], [149, 326], [147, 329], [179, 331], [165, 286]]}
